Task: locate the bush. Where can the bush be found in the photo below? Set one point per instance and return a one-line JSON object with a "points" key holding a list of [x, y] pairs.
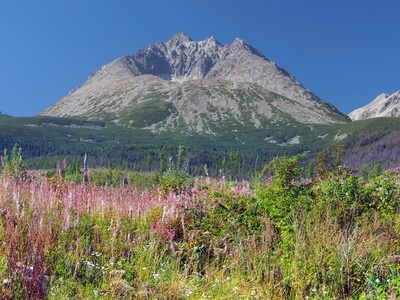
{"points": [[175, 177], [284, 194]]}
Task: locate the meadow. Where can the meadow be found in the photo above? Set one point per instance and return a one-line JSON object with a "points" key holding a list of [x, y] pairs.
{"points": [[281, 235]]}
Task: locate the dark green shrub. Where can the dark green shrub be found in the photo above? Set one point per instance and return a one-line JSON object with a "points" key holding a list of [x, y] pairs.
{"points": [[381, 193], [284, 194], [341, 193]]}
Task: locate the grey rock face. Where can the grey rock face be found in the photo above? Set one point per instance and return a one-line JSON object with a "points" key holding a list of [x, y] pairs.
{"points": [[180, 70], [382, 106]]}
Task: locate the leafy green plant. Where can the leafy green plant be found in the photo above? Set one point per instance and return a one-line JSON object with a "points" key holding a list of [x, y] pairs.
{"points": [[12, 164], [385, 286], [67, 172]]}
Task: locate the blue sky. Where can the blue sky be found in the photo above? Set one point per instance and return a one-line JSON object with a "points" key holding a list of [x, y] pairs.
{"points": [[346, 51]]}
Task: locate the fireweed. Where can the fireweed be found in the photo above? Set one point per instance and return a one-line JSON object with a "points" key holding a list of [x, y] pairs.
{"points": [[213, 239]]}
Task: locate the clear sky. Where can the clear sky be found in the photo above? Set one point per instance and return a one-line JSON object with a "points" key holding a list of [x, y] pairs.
{"points": [[346, 51]]}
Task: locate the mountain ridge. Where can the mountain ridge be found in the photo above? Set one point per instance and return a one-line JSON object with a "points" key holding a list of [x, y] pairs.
{"points": [[384, 105]]}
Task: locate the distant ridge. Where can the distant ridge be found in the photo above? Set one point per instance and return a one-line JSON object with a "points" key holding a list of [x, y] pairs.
{"points": [[384, 105]]}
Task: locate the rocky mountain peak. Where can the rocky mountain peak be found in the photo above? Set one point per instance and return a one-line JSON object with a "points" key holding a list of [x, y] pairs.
{"points": [[384, 105], [178, 39], [238, 42], [212, 43], [198, 83], [179, 59], [212, 40], [241, 45]]}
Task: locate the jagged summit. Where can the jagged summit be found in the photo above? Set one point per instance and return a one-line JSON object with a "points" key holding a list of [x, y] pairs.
{"points": [[238, 43], [180, 38], [197, 85], [384, 105], [210, 42]]}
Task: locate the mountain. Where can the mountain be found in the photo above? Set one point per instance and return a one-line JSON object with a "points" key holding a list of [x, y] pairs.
{"points": [[228, 105], [382, 106], [195, 87]]}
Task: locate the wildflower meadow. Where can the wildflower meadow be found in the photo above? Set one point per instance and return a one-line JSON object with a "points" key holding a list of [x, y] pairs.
{"points": [[281, 235]]}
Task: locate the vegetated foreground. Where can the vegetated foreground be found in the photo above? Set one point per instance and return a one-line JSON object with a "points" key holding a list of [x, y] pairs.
{"points": [[334, 236]]}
